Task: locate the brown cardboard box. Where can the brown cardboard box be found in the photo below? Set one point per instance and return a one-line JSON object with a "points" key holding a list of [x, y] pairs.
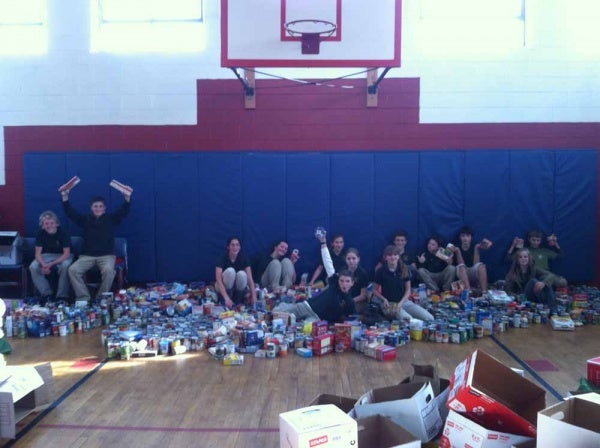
{"points": [[494, 396], [411, 406], [378, 431], [574, 423], [344, 403]]}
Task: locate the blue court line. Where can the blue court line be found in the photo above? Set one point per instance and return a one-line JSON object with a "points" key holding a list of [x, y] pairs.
{"points": [[527, 367], [54, 404]]}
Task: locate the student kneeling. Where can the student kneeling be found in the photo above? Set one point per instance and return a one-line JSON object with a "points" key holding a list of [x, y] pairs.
{"points": [[333, 304]]}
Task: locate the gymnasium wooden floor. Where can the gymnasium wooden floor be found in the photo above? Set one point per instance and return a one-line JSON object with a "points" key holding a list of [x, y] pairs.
{"points": [[193, 400]]}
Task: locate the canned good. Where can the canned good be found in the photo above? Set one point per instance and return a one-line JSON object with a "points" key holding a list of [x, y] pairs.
{"points": [[308, 342], [271, 350], [125, 350]]}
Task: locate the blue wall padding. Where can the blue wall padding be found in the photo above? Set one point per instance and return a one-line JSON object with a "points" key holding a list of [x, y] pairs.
{"points": [[264, 201], [219, 201], [488, 205], [185, 205], [137, 170], [532, 189], [353, 201], [575, 215], [178, 214], [43, 174], [308, 204], [396, 207], [441, 195]]}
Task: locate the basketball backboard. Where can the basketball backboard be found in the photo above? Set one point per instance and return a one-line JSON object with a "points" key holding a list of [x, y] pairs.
{"points": [[285, 33]]}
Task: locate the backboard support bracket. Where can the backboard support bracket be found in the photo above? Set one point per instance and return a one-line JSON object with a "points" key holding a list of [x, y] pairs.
{"points": [[373, 83], [248, 84]]}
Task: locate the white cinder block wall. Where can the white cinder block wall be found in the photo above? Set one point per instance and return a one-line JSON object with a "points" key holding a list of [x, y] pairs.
{"points": [[554, 77]]}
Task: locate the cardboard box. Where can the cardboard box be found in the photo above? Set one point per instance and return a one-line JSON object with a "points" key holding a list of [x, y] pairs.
{"points": [[322, 344], [17, 397], [411, 406], [572, 423], [343, 335], [385, 353], [319, 328], [423, 373], [494, 396], [461, 432], [44, 395], [344, 403], [562, 323], [10, 247], [593, 371], [317, 426], [378, 431]]}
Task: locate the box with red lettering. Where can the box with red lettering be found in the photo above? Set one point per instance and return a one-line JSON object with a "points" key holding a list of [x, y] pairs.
{"points": [[323, 344], [319, 328]]}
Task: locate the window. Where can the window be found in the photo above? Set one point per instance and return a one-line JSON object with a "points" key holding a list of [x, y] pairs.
{"points": [[466, 26], [23, 27], [133, 26]]}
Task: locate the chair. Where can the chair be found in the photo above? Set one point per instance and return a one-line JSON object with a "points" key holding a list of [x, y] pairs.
{"points": [[20, 267], [93, 279]]}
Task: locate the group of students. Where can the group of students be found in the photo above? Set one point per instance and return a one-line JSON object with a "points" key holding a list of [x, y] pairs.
{"points": [[53, 249], [437, 267]]}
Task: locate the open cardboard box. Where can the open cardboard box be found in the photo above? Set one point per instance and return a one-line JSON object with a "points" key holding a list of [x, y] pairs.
{"points": [[572, 423], [495, 396], [323, 425], [10, 247], [459, 431], [423, 373], [409, 405], [27, 389], [344, 403], [378, 431]]}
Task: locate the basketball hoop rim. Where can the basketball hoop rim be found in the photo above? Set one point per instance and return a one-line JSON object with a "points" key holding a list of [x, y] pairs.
{"points": [[328, 32]]}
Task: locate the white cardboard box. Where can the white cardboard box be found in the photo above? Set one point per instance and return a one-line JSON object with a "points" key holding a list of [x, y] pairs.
{"points": [[317, 426], [411, 406], [17, 397], [460, 432], [10, 250], [574, 423]]}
